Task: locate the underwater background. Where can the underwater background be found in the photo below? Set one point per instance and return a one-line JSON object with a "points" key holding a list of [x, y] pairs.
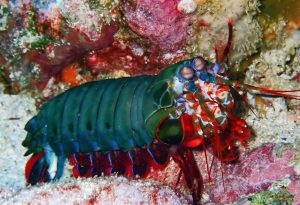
{"points": [[49, 46]]}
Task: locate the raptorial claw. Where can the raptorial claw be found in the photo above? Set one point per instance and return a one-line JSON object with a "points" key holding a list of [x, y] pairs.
{"points": [[44, 166], [35, 170], [185, 159]]}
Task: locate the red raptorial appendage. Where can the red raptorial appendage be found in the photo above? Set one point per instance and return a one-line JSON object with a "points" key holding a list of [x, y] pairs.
{"points": [[30, 164]]}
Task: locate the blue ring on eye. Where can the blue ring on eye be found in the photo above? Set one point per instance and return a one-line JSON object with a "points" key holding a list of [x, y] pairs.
{"points": [[198, 72], [185, 64], [193, 62]]}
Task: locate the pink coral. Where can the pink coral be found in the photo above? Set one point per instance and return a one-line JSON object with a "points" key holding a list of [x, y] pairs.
{"points": [[294, 188], [256, 170], [171, 26]]}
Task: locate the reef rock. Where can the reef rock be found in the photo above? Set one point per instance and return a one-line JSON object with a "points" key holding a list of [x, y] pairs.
{"points": [[108, 190], [171, 26]]}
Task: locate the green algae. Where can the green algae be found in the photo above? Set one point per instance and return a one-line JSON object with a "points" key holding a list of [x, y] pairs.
{"points": [[282, 197], [274, 16], [277, 194], [13, 74], [210, 6], [96, 4], [4, 16], [275, 9], [238, 71]]}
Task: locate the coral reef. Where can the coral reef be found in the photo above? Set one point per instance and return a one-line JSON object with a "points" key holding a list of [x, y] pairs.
{"points": [[108, 190], [212, 29], [257, 170], [171, 26]]}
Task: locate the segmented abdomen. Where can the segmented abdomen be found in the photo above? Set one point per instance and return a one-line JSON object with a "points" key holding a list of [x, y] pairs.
{"points": [[97, 116]]}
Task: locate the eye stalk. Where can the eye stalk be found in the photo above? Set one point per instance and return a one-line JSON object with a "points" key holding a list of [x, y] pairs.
{"points": [[199, 63], [187, 72]]}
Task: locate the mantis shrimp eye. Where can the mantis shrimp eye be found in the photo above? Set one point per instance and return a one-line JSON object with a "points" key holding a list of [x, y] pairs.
{"points": [[199, 63], [187, 72]]}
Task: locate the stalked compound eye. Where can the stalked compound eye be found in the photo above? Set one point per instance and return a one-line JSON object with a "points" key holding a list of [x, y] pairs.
{"points": [[187, 72], [199, 63]]}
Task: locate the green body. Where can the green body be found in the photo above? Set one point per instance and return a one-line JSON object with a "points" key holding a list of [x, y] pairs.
{"points": [[113, 114]]}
